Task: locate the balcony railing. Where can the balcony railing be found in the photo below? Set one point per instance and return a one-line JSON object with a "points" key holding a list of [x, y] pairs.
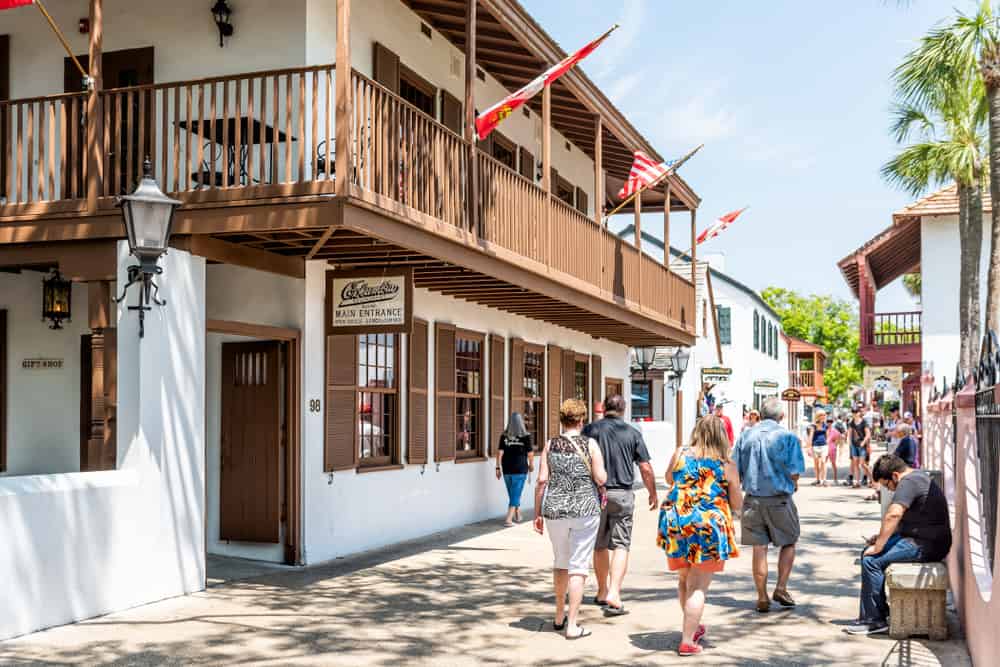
{"points": [[802, 379], [271, 134], [881, 329]]}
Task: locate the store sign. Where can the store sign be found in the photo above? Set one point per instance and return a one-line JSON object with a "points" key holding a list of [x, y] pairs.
{"points": [[716, 374], [791, 395], [883, 377], [370, 301], [42, 364], [765, 385]]}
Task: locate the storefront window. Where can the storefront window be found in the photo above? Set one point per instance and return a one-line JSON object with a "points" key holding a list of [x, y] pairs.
{"points": [[468, 395], [534, 405], [642, 400], [580, 380], [377, 398]]}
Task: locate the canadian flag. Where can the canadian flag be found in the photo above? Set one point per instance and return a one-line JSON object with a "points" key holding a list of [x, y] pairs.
{"points": [[719, 225], [11, 4]]}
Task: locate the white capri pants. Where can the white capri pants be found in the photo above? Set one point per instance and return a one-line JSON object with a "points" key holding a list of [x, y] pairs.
{"points": [[573, 542]]}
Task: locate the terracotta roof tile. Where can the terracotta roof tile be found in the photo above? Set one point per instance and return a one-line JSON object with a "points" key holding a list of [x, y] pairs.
{"points": [[942, 202]]}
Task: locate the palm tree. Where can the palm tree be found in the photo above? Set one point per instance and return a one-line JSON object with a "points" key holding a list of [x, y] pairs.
{"points": [[941, 102]]}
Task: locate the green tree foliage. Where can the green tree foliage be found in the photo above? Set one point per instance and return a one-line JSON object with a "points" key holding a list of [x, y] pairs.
{"points": [[913, 284], [825, 321]]}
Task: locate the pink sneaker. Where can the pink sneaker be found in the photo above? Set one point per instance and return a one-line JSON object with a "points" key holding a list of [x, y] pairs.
{"points": [[688, 649], [699, 634]]}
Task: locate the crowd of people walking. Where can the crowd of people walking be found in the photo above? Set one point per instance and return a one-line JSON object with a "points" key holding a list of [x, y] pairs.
{"points": [[586, 503]]}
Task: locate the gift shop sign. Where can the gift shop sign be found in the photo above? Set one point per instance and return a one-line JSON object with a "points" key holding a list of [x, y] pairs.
{"points": [[369, 301]]}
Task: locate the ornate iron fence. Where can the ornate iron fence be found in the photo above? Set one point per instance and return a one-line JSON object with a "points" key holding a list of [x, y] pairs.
{"points": [[988, 438]]}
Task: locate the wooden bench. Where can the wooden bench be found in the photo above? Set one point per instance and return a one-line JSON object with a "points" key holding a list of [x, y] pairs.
{"points": [[917, 593]]}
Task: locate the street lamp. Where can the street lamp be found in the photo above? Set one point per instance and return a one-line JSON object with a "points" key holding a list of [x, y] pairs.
{"points": [[644, 359], [148, 216], [222, 13], [681, 358]]}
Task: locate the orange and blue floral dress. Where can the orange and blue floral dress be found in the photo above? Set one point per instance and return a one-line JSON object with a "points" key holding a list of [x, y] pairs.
{"points": [[696, 524]]}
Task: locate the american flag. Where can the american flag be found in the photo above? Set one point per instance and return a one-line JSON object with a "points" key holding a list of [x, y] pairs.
{"points": [[719, 225], [645, 172]]}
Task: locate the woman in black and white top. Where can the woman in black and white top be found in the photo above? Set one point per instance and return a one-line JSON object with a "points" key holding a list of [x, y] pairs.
{"points": [[571, 472], [515, 459]]}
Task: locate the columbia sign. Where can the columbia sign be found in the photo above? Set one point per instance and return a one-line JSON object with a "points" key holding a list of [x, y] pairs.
{"points": [[373, 302]]}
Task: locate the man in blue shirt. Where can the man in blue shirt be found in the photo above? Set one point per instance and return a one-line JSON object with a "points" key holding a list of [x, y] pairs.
{"points": [[769, 458]]}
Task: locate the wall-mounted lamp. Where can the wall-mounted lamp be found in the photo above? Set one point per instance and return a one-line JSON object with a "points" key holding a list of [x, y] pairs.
{"points": [[148, 215], [57, 299], [222, 13]]}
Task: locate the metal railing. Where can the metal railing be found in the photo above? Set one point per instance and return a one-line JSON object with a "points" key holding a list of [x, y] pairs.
{"points": [[988, 440], [892, 328]]}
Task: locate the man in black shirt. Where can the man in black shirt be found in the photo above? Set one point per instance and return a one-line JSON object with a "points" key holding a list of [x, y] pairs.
{"points": [[915, 529], [623, 448]]}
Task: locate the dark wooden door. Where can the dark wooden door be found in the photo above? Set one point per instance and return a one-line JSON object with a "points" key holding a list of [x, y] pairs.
{"points": [[612, 387], [120, 69], [250, 493]]}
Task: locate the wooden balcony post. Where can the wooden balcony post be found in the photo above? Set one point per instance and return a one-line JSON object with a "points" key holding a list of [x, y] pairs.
{"points": [[470, 115], [694, 247], [94, 158], [344, 103], [547, 169], [599, 196], [666, 226], [638, 238]]}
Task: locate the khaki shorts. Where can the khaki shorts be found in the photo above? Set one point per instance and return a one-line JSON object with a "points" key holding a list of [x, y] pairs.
{"points": [[769, 520], [616, 520]]}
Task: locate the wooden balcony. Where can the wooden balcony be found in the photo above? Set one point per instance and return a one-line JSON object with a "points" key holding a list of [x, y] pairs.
{"points": [[266, 139], [891, 339], [802, 379]]}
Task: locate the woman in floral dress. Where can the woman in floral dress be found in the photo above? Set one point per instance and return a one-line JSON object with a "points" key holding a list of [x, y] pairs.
{"points": [[696, 521]]}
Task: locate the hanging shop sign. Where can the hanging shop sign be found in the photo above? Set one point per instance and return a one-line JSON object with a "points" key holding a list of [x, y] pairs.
{"points": [[716, 374], [791, 395], [370, 301], [765, 385], [883, 377], [42, 364]]}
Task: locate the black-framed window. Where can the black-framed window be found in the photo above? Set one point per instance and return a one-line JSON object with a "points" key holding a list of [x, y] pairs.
{"points": [[756, 330], [724, 315], [533, 410], [468, 395], [580, 380], [642, 399], [378, 401]]}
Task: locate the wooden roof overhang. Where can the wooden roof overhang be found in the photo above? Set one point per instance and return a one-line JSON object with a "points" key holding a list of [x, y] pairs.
{"points": [[889, 255], [514, 48], [367, 237], [799, 346]]}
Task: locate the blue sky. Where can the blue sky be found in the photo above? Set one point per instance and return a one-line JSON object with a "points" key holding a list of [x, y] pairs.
{"points": [[791, 99]]}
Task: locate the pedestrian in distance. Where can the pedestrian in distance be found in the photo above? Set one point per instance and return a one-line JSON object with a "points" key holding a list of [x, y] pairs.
{"points": [[622, 448], [769, 461], [696, 521], [753, 418], [726, 421], [515, 459], [817, 435], [570, 474], [860, 435], [906, 445], [834, 436]]}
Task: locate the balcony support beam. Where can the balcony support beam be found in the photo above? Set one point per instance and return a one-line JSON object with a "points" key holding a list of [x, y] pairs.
{"points": [[638, 237], [599, 196], [694, 247], [95, 165], [666, 227], [344, 103], [470, 115], [547, 168]]}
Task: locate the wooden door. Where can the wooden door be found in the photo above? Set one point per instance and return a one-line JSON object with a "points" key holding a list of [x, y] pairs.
{"points": [[250, 493], [613, 386], [119, 69]]}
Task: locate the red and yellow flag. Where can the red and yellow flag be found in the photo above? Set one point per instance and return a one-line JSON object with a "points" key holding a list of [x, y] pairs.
{"points": [[488, 120], [11, 4]]}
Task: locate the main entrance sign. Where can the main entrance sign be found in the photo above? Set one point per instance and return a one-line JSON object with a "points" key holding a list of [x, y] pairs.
{"points": [[370, 301], [716, 374]]}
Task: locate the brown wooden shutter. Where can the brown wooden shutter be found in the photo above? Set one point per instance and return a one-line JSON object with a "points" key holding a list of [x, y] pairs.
{"points": [[568, 374], [515, 388], [527, 164], [3, 390], [553, 389], [596, 381], [498, 349], [4, 123], [444, 416], [386, 68], [451, 112], [341, 452], [582, 205], [416, 451], [110, 458]]}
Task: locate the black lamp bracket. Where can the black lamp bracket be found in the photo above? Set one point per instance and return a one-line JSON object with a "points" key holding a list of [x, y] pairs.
{"points": [[149, 291]]}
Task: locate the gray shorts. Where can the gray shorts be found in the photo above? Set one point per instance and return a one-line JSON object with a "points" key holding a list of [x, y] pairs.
{"points": [[615, 531], [769, 519]]}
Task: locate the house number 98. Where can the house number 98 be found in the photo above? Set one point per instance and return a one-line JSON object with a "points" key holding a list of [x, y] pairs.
{"points": [[315, 405]]}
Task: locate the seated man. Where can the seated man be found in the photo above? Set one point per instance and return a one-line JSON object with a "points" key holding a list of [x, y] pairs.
{"points": [[906, 445], [915, 529]]}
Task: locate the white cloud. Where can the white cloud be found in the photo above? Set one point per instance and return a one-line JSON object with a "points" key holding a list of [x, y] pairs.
{"points": [[619, 47]]}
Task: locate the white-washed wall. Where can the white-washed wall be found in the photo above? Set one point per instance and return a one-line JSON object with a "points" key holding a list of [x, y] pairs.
{"points": [[277, 301], [346, 512], [43, 406], [83, 544]]}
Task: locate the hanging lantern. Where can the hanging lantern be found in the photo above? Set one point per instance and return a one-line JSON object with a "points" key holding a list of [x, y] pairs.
{"points": [[57, 299]]}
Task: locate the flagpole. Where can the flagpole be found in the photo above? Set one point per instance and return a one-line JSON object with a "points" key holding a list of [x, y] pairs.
{"points": [[59, 34], [673, 169]]}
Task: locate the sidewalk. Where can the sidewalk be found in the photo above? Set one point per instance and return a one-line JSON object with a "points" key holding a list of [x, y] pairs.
{"points": [[482, 594]]}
